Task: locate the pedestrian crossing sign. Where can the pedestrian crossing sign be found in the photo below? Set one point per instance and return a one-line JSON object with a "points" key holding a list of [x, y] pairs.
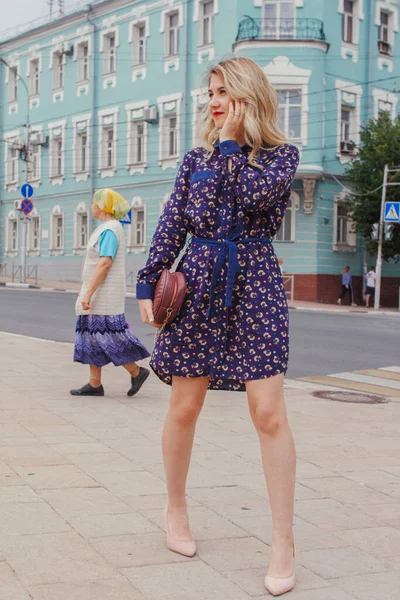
{"points": [[392, 212], [127, 220]]}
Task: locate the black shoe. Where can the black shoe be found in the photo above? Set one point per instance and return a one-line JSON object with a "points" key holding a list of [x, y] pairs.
{"points": [[88, 390], [138, 381]]}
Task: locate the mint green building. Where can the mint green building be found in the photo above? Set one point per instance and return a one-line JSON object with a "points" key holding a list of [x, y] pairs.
{"points": [[112, 93]]}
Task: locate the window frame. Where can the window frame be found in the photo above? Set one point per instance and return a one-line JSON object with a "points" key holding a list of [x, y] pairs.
{"points": [[110, 54], [13, 84], [57, 151], [287, 106], [288, 221], [34, 77], [58, 71], [56, 235], [348, 22], [206, 23], [168, 54], [344, 234], [108, 120]]}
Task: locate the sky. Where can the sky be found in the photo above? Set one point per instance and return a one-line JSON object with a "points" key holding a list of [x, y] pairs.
{"points": [[25, 11]]}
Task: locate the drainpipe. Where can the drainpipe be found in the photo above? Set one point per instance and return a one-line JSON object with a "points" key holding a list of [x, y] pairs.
{"points": [[370, 50], [185, 74], [369, 96], [93, 108]]}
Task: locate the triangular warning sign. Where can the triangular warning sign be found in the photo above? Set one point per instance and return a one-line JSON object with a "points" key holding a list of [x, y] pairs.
{"points": [[392, 213], [127, 220]]}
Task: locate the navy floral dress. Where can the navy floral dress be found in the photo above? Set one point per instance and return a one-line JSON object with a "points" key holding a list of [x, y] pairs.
{"points": [[233, 326]]}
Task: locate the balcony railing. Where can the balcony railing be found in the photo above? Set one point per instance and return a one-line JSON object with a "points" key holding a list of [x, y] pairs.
{"points": [[281, 29]]}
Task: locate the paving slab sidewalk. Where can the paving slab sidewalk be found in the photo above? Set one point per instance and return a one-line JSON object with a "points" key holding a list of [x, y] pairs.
{"points": [[82, 491]]}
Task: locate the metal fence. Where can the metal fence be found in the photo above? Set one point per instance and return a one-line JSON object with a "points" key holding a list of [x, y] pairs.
{"points": [[281, 29], [288, 282], [31, 272]]}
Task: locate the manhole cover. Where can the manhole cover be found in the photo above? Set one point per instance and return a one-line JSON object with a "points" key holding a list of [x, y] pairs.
{"points": [[351, 397]]}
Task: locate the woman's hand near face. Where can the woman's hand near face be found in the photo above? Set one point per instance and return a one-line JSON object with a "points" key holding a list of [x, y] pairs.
{"points": [[233, 128], [146, 312]]}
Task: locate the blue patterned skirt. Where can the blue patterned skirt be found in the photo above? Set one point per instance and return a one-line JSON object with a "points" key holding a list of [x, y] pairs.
{"points": [[100, 340]]}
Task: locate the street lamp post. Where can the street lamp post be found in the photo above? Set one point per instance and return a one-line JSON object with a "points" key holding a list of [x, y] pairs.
{"points": [[27, 134]]}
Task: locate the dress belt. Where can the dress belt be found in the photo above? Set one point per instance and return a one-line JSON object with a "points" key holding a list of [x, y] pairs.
{"points": [[228, 249]]}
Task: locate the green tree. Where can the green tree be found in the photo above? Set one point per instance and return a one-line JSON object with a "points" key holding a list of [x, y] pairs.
{"points": [[379, 145]]}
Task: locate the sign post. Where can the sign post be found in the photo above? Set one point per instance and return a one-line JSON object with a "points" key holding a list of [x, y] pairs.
{"points": [[390, 213], [26, 209]]}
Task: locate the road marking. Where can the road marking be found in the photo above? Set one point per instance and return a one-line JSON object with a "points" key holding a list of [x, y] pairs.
{"points": [[394, 385], [296, 384], [380, 373], [391, 369], [353, 385]]}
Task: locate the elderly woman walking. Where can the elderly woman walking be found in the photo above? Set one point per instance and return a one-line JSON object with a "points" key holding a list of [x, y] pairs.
{"points": [[102, 334]]}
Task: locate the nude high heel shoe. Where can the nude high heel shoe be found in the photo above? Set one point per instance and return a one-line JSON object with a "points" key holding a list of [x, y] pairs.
{"points": [[280, 585], [179, 546]]}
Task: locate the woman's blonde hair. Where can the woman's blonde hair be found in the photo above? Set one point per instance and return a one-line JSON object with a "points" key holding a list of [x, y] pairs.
{"points": [[245, 80]]}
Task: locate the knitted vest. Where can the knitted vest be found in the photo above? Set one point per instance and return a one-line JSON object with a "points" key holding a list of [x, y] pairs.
{"points": [[109, 298]]}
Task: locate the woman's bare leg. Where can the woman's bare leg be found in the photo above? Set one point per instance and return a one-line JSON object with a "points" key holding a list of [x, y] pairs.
{"points": [[187, 399], [133, 369], [268, 412], [95, 376]]}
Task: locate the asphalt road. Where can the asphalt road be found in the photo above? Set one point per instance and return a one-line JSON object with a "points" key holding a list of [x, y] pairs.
{"points": [[320, 343]]}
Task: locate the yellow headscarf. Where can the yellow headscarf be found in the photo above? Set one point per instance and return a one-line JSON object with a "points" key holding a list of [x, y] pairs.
{"points": [[112, 203]]}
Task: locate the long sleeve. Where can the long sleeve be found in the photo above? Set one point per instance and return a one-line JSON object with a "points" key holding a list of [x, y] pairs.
{"points": [[169, 237], [258, 189]]}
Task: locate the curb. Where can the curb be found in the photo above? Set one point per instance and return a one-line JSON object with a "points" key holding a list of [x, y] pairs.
{"points": [[361, 310], [24, 286], [29, 286]]}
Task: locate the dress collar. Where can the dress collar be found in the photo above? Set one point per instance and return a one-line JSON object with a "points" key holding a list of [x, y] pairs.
{"points": [[245, 148]]}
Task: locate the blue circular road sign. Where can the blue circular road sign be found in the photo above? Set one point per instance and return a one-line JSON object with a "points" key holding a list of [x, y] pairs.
{"points": [[27, 190], [26, 206]]}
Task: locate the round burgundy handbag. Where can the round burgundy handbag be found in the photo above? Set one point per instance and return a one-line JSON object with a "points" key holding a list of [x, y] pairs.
{"points": [[169, 296]]}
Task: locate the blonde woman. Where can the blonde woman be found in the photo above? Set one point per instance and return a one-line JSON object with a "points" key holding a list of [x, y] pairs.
{"points": [[230, 195], [102, 335]]}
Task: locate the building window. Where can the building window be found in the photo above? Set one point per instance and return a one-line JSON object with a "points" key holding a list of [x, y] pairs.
{"points": [[59, 233], [139, 44], [206, 23], [34, 77], [108, 141], [341, 224], [172, 34], [34, 156], [13, 84], [138, 142], [57, 152], [138, 227], [171, 136], [82, 152], [290, 107], [346, 127], [34, 235], [279, 18], [286, 231], [109, 54], [13, 159], [109, 147], [83, 230], [385, 35], [83, 62], [58, 71], [57, 148], [348, 21], [12, 235]]}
